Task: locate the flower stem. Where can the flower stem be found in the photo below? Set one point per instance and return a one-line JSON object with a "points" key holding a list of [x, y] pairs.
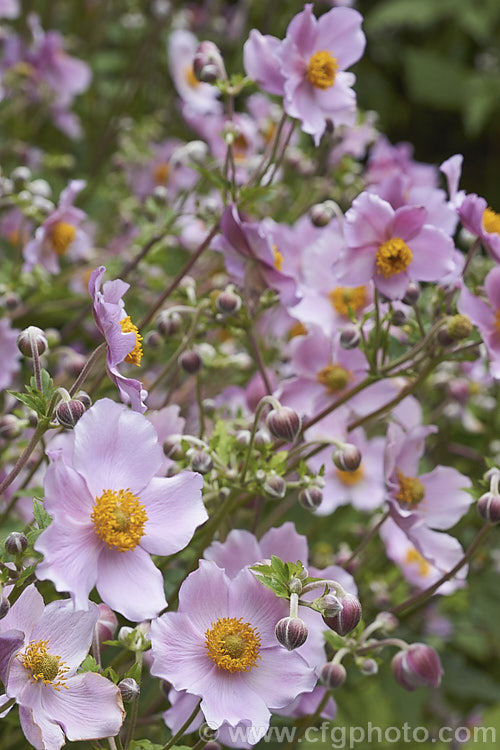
{"points": [[87, 367], [182, 730], [368, 537], [21, 461]]}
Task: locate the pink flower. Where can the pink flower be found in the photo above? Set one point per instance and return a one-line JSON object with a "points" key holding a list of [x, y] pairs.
{"points": [[242, 684], [486, 316], [313, 57], [111, 512], [122, 336], [9, 353], [261, 62], [392, 247], [41, 649], [479, 219], [61, 234]]}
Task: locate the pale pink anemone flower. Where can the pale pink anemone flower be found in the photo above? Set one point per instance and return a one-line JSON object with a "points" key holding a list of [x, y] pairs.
{"points": [[9, 353], [9, 8], [122, 336], [392, 247], [486, 316], [111, 512], [41, 648], [479, 219], [62, 234], [256, 676], [202, 97]]}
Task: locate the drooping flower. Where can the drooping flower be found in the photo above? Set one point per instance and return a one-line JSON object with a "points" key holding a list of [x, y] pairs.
{"points": [[221, 646], [122, 336], [41, 648], [111, 512], [486, 316], [60, 235]]}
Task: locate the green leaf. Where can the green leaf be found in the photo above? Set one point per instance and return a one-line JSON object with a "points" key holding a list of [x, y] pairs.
{"points": [[220, 441], [148, 745], [40, 514], [333, 639], [89, 664], [110, 673], [134, 672], [435, 80]]}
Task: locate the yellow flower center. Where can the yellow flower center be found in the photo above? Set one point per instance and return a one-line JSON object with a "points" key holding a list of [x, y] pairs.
{"points": [[322, 69], [119, 519], [233, 645], [160, 173], [135, 356], [497, 320], [393, 256], [491, 221], [190, 77], [44, 665], [344, 298], [61, 237], [350, 478], [414, 556], [278, 258], [298, 329], [411, 489], [334, 377]]}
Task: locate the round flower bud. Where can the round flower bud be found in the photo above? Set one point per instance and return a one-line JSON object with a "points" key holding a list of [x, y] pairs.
{"points": [[243, 437], [172, 447], [10, 426], [417, 666], [332, 675], [295, 586], [459, 327], [228, 302], [168, 323], [208, 65], [284, 423], [4, 606], [12, 301], [398, 318], [209, 406], [153, 340], [201, 462], [347, 458], [30, 335], [321, 214], [443, 337], [129, 689], [275, 487], [388, 622], [106, 624], [19, 176], [368, 666], [412, 294], [330, 605], [84, 398], [488, 507], [262, 439], [350, 337], [124, 635], [16, 543], [347, 619], [311, 498], [69, 412], [190, 362], [291, 632]]}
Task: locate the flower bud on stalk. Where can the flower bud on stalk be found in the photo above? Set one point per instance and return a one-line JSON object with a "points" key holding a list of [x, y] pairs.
{"points": [[284, 423], [32, 336], [332, 675], [349, 616], [168, 323], [208, 65], [201, 462], [172, 447], [350, 337], [330, 605], [275, 487], [10, 426], [412, 294], [69, 412], [190, 362], [228, 302], [459, 327], [488, 505], [321, 214], [262, 439], [398, 318], [311, 498], [417, 666], [347, 458], [84, 398], [368, 666], [16, 543], [291, 632], [129, 689]]}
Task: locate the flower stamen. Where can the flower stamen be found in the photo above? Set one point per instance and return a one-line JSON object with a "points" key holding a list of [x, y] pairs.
{"points": [[411, 489], [43, 665], [491, 221], [232, 644], [135, 356], [322, 69], [345, 298], [61, 236], [334, 377], [119, 519], [393, 257]]}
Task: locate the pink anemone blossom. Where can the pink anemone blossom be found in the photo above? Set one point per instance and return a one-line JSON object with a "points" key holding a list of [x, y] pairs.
{"points": [[486, 316], [479, 219]]}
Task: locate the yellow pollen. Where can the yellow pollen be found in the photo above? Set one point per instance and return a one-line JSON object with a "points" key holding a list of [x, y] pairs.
{"points": [[278, 258], [119, 519], [497, 320], [190, 78], [298, 329], [491, 221], [135, 356], [233, 645], [411, 489], [240, 147], [61, 237], [414, 556], [270, 131], [161, 172], [43, 665], [393, 256], [351, 478], [344, 298], [334, 377], [322, 69]]}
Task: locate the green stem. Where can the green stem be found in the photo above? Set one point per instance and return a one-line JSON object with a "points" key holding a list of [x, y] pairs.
{"points": [[182, 730], [308, 723], [369, 536], [87, 368], [21, 461]]}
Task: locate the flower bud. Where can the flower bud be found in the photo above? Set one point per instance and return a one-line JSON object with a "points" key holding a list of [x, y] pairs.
{"points": [[16, 543], [398, 318], [84, 398], [208, 65], [19, 176], [129, 689], [153, 340], [321, 214], [412, 294], [168, 323], [333, 675], [201, 462], [32, 335], [209, 406], [10, 427], [172, 447], [368, 666], [459, 327], [347, 458], [12, 301], [190, 362], [295, 586], [311, 498], [488, 507], [228, 303], [443, 337], [417, 666], [350, 337], [284, 423], [347, 619], [69, 412], [275, 487], [291, 632], [388, 622], [330, 605], [243, 437], [4, 606], [262, 439], [106, 624]]}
